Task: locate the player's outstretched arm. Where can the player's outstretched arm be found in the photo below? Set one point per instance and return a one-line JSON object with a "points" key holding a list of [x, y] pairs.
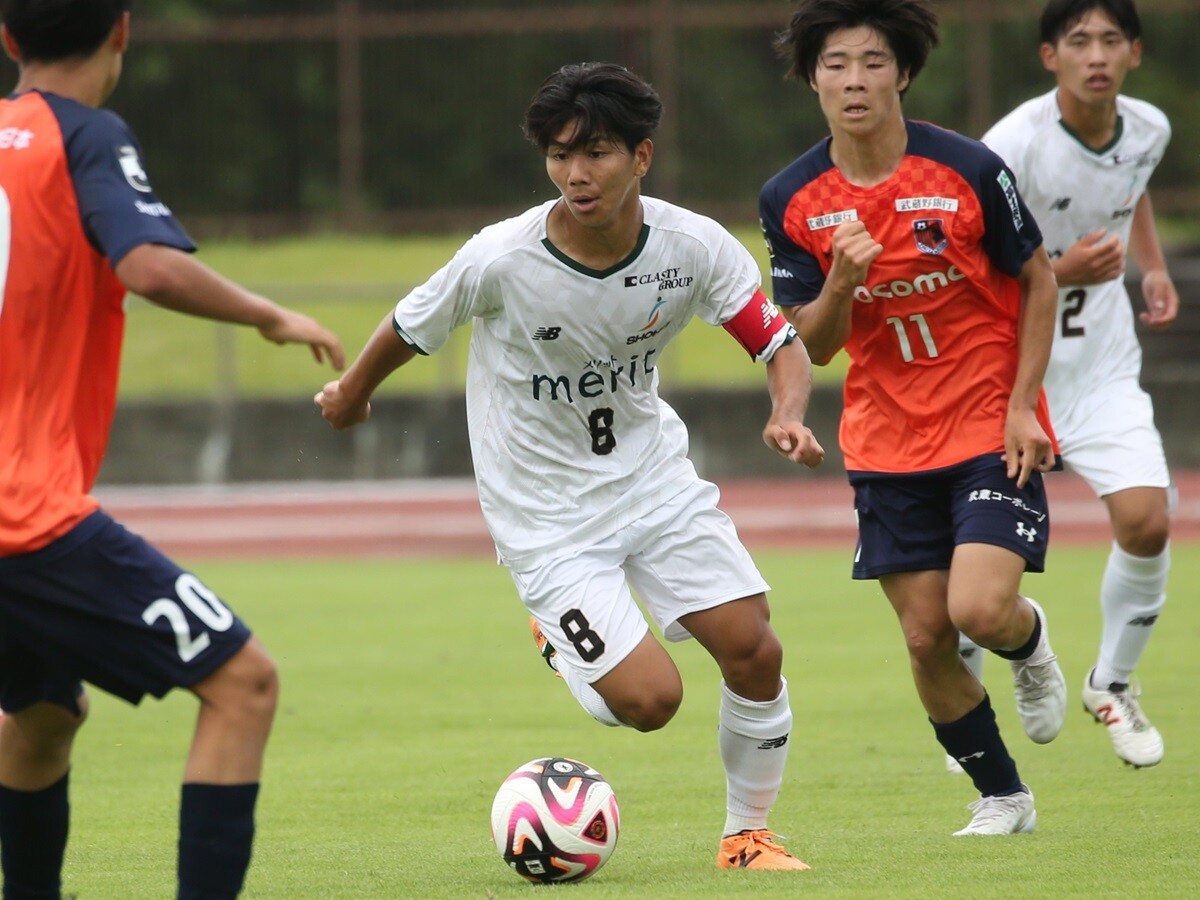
{"points": [[1027, 447], [347, 401], [789, 381], [178, 281], [1158, 290], [824, 325]]}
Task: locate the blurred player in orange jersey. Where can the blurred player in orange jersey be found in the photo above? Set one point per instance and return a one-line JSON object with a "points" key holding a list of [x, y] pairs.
{"points": [[81, 598], [910, 247]]}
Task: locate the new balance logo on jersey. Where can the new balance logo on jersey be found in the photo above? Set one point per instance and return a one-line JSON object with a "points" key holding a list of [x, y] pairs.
{"points": [[547, 333], [1061, 204], [773, 743], [1026, 532]]}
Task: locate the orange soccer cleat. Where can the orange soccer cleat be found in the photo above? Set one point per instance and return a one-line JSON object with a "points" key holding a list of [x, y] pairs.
{"points": [[755, 850]]}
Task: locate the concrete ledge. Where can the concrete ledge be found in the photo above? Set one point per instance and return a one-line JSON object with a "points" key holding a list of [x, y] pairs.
{"points": [[165, 442]]}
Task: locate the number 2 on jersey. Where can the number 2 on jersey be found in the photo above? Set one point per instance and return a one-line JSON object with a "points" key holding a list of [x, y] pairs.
{"points": [[1073, 306]]}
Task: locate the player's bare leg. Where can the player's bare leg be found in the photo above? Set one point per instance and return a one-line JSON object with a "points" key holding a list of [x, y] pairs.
{"points": [[945, 687], [220, 790], [956, 702], [237, 706], [985, 604], [35, 756], [644, 690]]}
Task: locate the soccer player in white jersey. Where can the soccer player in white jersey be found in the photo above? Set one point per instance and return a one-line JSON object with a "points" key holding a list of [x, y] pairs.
{"points": [[1083, 154], [582, 469]]}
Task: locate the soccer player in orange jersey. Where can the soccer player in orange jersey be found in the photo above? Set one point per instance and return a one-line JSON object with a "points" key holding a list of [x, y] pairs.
{"points": [[910, 247], [81, 598]]}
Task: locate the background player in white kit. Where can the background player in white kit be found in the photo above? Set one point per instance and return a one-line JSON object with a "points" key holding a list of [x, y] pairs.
{"points": [[1083, 155], [582, 470]]}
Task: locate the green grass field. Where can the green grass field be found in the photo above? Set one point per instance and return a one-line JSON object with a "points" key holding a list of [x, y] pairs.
{"points": [[350, 283], [410, 689]]}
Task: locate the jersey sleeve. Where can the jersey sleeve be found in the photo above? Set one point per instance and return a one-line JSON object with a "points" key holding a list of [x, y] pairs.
{"points": [[453, 296], [796, 276], [116, 200], [1011, 235], [734, 277], [1008, 140]]}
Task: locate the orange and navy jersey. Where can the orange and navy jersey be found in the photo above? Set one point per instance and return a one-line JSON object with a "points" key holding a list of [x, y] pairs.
{"points": [[933, 346], [74, 200]]}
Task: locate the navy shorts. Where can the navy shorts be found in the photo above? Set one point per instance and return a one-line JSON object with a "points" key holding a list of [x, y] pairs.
{"points": [[913, 522], [102, 605]]}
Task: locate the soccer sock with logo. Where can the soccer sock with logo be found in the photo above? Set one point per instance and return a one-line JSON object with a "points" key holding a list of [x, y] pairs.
{"points": [[974, 740], [33, 838], [1132, 594], [589, 698], [216, 833], [753, 738]]}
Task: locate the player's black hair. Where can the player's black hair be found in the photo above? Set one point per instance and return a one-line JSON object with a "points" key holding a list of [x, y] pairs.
{"points": [[606, 101], [50, 30], [1060, 16], [910, 28]]}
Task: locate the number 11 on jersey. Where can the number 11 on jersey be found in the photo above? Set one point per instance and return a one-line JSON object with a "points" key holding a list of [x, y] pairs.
{"points": [[906, 349]]}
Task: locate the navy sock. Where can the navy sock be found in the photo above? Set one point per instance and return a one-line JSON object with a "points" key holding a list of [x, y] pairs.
{"points": [[216, 831], [974, 740], [33, 840], [1025, 650]]}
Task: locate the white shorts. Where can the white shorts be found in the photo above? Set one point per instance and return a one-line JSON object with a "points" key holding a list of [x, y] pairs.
{"points": [[683, 557], [1110, 440]]}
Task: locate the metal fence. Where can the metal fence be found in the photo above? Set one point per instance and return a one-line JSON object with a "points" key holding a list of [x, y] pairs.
{"points": [[368, 114]]}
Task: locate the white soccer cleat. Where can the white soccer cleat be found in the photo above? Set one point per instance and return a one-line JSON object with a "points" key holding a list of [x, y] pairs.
{"points": [[1134, 739], [1008, 814], [1041, 689], [953, 766]]}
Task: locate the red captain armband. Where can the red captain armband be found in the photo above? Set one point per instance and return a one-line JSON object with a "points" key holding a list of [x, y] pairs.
{"points": [[760, 328]]}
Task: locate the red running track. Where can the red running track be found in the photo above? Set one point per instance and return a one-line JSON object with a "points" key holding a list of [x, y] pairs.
{"points": [[442, 518]]}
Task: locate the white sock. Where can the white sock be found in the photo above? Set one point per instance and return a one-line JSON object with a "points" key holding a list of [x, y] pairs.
{"points": [[753, 738], [972, 654], [589, 698], [1132, 594]]}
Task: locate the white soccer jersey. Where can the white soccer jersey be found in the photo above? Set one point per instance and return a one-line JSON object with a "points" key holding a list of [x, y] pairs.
{"points": [[1072, 191], [569, 437]]}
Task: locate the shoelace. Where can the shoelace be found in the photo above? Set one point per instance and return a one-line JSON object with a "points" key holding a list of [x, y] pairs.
{"points": [[1127, 700], [988, 809], [1035, 684], [765, 839]]}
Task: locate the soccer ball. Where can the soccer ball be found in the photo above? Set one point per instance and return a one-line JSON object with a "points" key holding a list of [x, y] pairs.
{"points": [[555, 820]]}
